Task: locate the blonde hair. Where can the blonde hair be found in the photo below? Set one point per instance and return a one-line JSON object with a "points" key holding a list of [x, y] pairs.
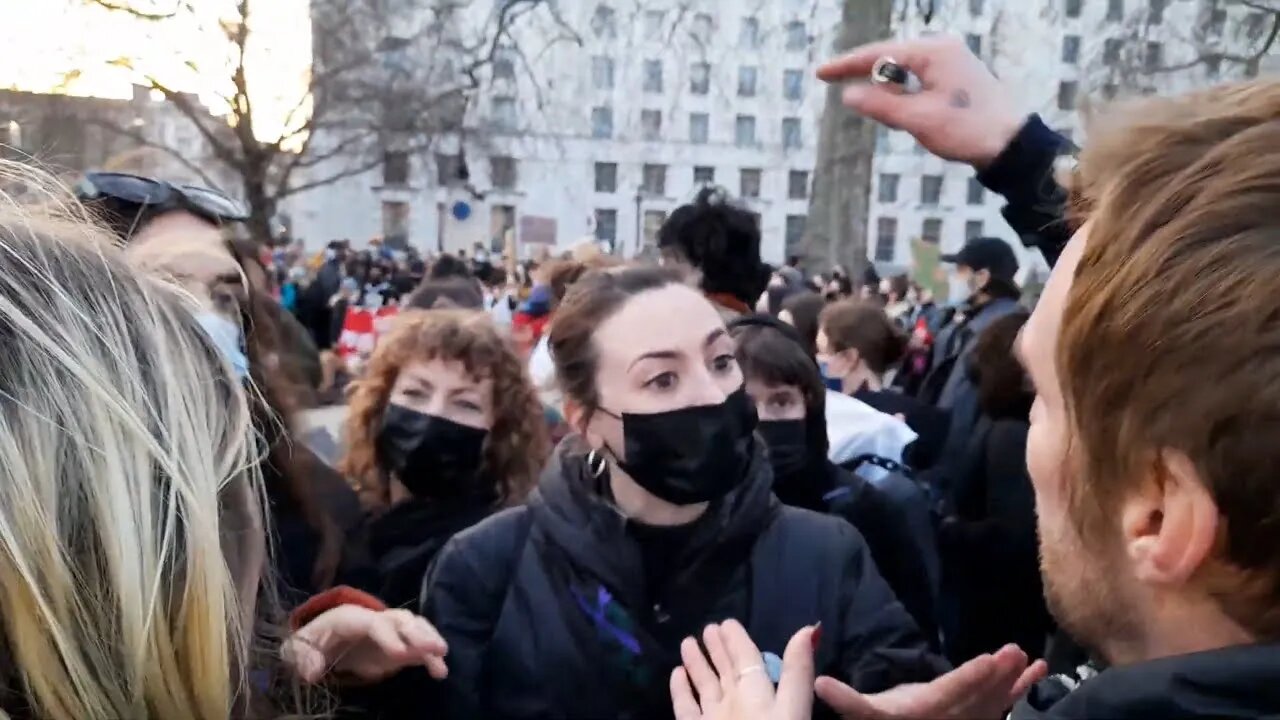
{"points": [[130, 503]]}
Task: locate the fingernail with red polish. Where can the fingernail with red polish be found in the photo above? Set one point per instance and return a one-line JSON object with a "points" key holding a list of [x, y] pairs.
{"points": [[817, 635]]}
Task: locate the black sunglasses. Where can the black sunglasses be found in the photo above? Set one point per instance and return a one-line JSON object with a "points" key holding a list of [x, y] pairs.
{"points": [[151, 195]]}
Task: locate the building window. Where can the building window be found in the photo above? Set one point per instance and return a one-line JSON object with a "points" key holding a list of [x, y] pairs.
{"points": [[602, 123], [1073, 8], [795, 233], [395, 222], [606, 177], [654, 180], [797, 36], [797, 185], [975, 8], [931, 230], [1154, 58], [1217, 21], [1067, 95], [882, 138], [1255, 24], [704, 175], [930, 189], [1212, 65], [504, 64], [1111, 51], [651, 124], [792, 139], [888, 187], [1251, 68], [700, 79], [744, 131], [1115, 10], [1071, 49], [974, 41], [653, 221], [977, 194], [502, 172], [750, 37], [604, 22], [607, 224], [395, 167], [793, 84], [602, 72], [1110, 91], [502, 220], [702, 28], [448, 169], [886, 239], [1155, 12], [653, 76], [699, 128], [747, 76], [653, 24], [504, 113], [972, 229], [750, 182]]}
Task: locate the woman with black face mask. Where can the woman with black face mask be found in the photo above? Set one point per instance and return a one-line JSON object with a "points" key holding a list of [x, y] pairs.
{"points": [[444, 430], [786, 386], [654, 520]]}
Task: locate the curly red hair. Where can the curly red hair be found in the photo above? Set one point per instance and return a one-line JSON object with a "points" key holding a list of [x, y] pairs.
{"points": [[518, 443]]}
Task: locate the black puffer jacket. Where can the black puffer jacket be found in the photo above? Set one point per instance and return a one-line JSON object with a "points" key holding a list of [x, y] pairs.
{"points": [[547, 613], [1232, 682]]}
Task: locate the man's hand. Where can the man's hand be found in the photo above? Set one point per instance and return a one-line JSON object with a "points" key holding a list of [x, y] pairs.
{"points": [[370, 645], [984, 687], [962, 112]]}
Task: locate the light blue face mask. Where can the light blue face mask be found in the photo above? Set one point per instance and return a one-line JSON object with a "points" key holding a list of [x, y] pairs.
{"points": [[229, 339]]}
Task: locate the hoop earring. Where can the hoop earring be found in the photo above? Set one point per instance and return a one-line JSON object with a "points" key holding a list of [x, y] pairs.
{"points": [[596, 464]]}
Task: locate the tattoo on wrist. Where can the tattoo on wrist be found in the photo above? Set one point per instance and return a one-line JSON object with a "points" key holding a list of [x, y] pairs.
{"points": [[960, 99]]}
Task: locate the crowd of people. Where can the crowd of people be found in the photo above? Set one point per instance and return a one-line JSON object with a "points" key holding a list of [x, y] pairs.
{"points": [[587, 488]]}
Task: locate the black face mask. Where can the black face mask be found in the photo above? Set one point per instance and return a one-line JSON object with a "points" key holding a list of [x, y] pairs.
{"points": [[787, 445], [690, 455], [433, 457]]}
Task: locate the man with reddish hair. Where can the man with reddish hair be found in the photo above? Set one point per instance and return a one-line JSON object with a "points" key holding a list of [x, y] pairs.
{"points": [[1155, 354], [1154, 448]]}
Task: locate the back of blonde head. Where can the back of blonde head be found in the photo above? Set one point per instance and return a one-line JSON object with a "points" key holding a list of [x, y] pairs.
{"points": [[128, 505]]}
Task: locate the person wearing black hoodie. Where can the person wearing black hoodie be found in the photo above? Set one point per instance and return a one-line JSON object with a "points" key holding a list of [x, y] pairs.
{"points": [[786, 387], [444, 429], [656, 519]]}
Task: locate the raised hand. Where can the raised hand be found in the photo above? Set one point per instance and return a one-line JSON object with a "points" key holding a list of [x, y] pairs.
{"points": [[736, 685], [369, 645], [962, 112], [984, 687]]}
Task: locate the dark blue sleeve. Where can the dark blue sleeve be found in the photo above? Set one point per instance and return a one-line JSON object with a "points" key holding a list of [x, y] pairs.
{"points": [[1023, 174]]}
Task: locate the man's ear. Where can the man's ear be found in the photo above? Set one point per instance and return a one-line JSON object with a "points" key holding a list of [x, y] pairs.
{"points": [[1170, 524]]}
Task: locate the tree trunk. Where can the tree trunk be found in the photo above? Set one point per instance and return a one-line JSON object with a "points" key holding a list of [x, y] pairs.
{"points": [[839, 208], [262, 207]]}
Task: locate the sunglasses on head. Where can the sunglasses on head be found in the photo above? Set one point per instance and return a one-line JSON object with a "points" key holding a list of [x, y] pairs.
{"points": [[144, 194]]}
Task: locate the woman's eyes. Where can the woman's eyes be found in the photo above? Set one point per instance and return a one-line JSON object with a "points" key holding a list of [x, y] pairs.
{"points": [[781, 403], [665, 381], [468, 405], [723, 363]]}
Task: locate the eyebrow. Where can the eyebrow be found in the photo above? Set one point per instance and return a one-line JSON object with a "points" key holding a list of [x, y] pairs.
{"points": [[712, 336]]}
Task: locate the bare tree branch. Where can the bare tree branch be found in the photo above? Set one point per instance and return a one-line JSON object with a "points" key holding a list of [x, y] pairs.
{"points": [[140, 14], [144, 141]]}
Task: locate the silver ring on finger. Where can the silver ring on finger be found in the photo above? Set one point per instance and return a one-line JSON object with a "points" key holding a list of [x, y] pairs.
{"points": [[748, 670]]}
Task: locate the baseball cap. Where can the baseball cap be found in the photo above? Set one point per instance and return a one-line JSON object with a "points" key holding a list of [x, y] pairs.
{"points": [[987, 253]]}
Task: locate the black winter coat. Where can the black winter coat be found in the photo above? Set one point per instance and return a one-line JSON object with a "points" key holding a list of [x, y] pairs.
{"points": [[547, 614], [1233, 682], [406, 539]]}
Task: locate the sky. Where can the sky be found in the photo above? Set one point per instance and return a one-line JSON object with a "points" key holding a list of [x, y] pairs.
{"points": [[67, 46]]}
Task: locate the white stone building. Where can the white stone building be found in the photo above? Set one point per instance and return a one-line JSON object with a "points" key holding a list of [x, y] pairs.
{"points": [[603, 122]]}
